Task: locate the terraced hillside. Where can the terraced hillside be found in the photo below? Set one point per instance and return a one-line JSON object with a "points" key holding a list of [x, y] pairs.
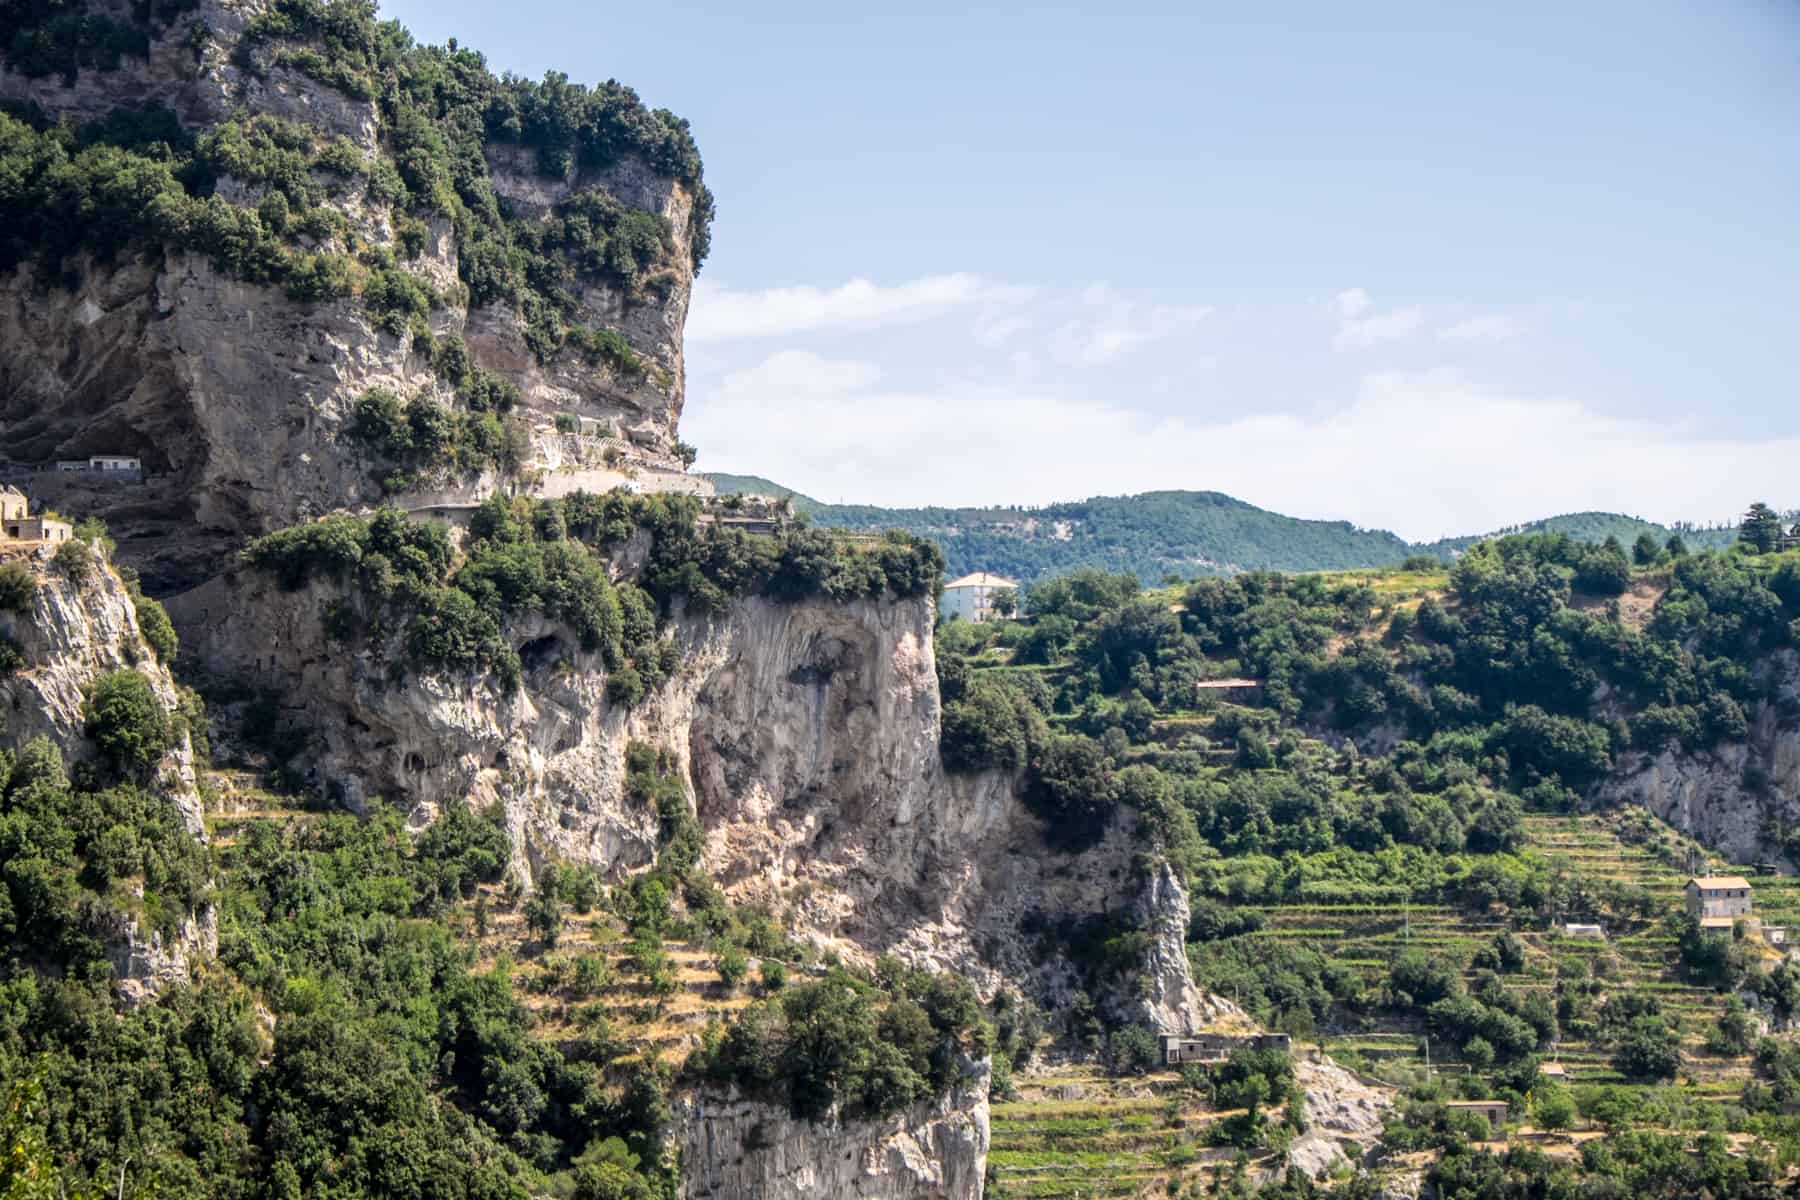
{"points": [[1623, 858], [1075, 1131]]}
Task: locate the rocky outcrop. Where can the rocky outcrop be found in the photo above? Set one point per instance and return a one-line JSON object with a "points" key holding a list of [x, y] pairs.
{"points": [[73, 634], [1165, 999], [1344, 1114], [236, 397], [735, 1147], [147, 963], [1741, 797], [807, 732]]}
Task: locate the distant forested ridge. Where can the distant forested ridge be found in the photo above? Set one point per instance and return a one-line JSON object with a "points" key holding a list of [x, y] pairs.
{"points": [[1158, 534]]}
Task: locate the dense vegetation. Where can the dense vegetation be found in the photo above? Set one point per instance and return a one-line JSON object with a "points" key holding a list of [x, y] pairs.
{"points": [[856, 1047], [1161, 534], [1401, 728], [548, 556], [137, 180]]}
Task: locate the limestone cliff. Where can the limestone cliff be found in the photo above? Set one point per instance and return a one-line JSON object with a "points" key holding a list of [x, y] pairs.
{"points": [[734, 1147], [72, 634], [1740, 797], [807, 732], [237, 397]]}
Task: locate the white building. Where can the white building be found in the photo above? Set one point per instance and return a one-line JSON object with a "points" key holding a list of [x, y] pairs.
{"points": [[115, 462], [972, 596]]}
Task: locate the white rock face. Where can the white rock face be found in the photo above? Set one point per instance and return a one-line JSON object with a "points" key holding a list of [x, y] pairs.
{"points": [[807, 733], [71, 637], [736, 1148], [1167, 1000], [237, 398], [1344, 1117], [1709, 795], [149, 963]]}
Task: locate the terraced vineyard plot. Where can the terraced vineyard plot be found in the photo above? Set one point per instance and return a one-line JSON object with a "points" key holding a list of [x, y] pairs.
{"points": [[1075, 1132], [1627, 868]]}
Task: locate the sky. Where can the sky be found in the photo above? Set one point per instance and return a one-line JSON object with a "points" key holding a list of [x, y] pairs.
{"points": [[1425, 267]]}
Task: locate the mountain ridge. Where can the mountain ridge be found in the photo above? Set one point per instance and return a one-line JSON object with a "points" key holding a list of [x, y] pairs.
{"points": [[1176, 532]]}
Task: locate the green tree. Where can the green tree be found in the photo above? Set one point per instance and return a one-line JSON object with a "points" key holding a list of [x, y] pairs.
{"points": [[1760, 529], [127, 722], [1648, 1051], [1555, 1108], [544, 916], [18, 586]]}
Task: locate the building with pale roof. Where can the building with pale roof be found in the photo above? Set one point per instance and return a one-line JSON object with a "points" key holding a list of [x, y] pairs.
{"points": [[972, 597], [18, 525], [1718, 897]]}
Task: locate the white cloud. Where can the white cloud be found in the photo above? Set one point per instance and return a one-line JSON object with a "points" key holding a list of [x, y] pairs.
{"points": [[1494, 327], [1359, 326], [1352, 303], [1422, 453], [718, 313], [1108, 325]]}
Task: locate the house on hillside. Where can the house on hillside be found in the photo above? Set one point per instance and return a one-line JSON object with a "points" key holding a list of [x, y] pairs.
{"points": [[1494, 1110], [972, 597], [1217, 1047], [1238, 690], [19, 525], [115, 466], [1718, 900]]}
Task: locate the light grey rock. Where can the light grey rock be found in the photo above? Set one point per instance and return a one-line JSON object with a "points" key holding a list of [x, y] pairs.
{"points": [[71, 636], [237, 398], [734, 1147]]}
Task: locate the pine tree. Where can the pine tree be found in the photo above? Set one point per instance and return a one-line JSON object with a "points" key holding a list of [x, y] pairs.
{"points": [[1760, 529]]}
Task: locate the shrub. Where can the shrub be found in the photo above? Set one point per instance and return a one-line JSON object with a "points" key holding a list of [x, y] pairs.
{"points": [[154, 624], [18, 586], [75, 559], [127, 722], [1133, 1050], [734, 965]]}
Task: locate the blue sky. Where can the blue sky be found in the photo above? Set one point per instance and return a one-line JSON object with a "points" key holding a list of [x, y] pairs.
{"points": [[1429, 267]]}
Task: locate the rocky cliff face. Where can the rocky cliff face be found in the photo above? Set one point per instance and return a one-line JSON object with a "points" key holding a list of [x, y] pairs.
{"points": [[1742, 797], [73, 634], [732, 1147], [807, 732], [237, 397]]}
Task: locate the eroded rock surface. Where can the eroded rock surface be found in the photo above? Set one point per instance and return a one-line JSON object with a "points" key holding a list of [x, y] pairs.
{"points": [[734, 1147]]}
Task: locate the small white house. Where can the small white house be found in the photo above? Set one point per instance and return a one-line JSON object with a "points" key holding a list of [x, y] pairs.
{"points": [[1582, 930], [115, 462], [972, 597]]}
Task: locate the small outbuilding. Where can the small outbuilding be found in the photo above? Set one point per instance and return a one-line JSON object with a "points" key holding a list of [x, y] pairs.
{"points": [[1580, 930], [1494, 1110], [17, 523]]}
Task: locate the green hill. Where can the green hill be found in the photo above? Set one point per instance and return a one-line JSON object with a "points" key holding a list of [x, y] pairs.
{"points": [[1597, 527], [1157, 534]]}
